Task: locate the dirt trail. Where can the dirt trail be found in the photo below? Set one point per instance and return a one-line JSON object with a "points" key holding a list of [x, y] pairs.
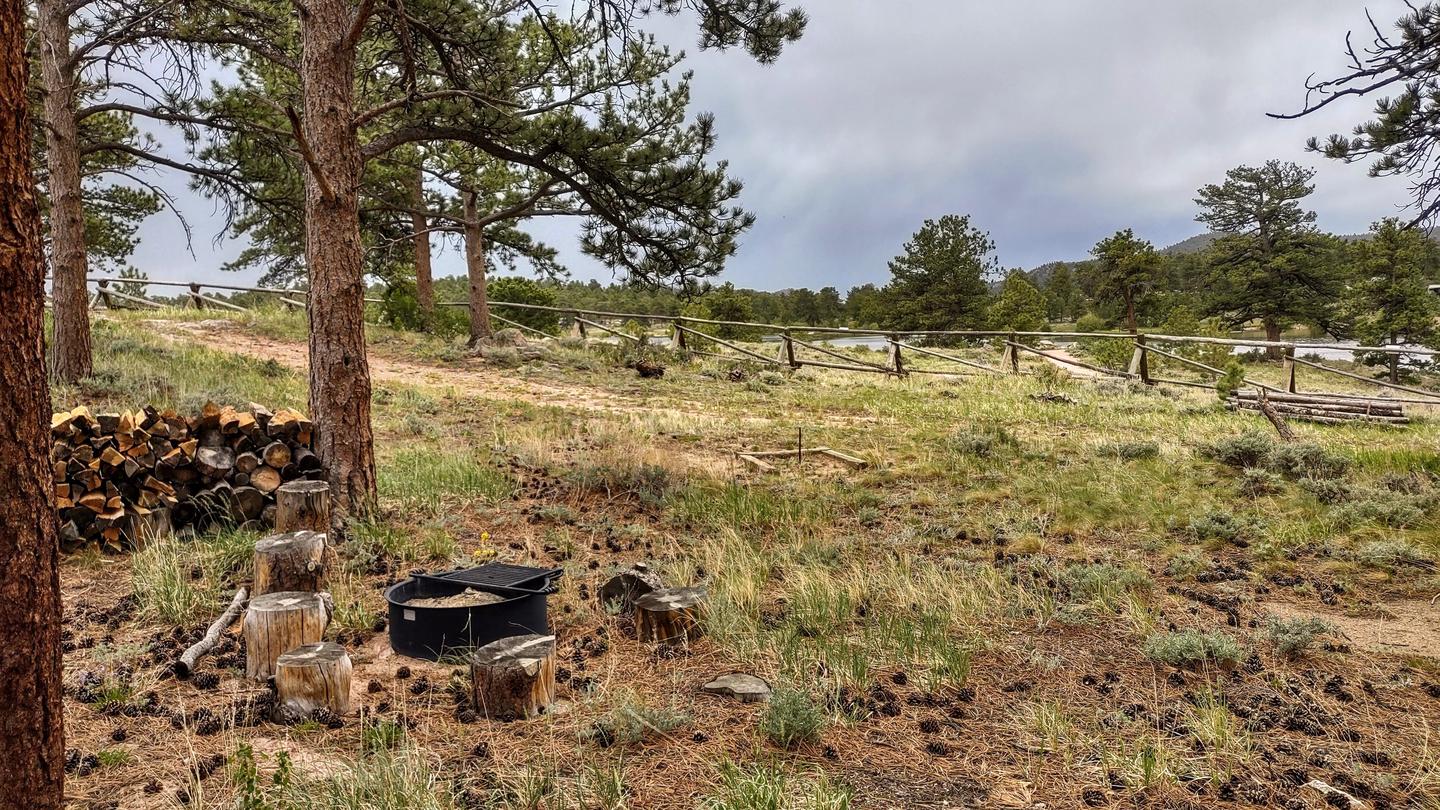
{"points": [[1406, 627], [1065, 360], [472, 377]]}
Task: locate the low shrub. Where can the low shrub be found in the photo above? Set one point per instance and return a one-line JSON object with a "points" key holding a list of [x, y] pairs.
{"points": [[1392, 554], [1396, 511], [1186, 565], [1249, 449], [1223, 526], [1296, 460], [985, 442], [631, 722], [1293, 637], [791, 718], [1191, 648], [1255, 482], [1331, 492], [1104, 582]]}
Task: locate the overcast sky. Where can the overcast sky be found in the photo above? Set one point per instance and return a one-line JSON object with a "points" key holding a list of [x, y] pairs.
{"points": [[1052, 123]]}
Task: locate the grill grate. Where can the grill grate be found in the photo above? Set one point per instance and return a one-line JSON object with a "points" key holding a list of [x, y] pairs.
{"points": [[501, 575]]}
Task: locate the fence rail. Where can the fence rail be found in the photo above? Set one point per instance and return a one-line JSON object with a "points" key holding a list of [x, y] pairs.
{"points": [[685, 333]]}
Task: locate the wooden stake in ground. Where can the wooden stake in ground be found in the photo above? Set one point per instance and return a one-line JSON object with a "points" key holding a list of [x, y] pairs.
{"points": [[32, 745], [310, 677], [671, 615], [513, 678], [294, 561], [302, 505], [190, 657], [277, 623]]}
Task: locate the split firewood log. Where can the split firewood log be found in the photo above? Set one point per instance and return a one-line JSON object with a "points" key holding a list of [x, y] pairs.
{"points": [[310, 677], [513, 678], [279, 622]]}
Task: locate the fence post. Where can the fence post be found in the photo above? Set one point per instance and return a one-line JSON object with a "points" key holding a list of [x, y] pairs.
{"points": [[102, 290], [1140, 361], [896, 364], [195, 296], [1011, 358], [787, 350], [677, 339], [1288, 368]]}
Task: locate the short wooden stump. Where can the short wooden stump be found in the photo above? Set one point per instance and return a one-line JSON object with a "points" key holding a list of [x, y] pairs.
{"points": [[513, 678], [294, 561], [277, 623], [670, 615], [310, 677]]}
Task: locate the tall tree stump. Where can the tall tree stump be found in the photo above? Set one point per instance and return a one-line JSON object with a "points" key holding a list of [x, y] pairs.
{"points": [[277, 623], [310, 677], [513, 678], [290, 562], [302, 505], [670, 615]]}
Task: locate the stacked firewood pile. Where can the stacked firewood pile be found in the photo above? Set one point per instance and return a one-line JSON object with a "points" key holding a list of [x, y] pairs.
{"points": [[1323, 408], [121, 478]]}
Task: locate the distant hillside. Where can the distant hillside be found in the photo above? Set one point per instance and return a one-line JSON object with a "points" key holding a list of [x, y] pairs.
{"points": [[1194, 244]]}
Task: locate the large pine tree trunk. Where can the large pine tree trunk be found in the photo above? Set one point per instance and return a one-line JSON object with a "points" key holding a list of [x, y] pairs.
{"points": [[424, 284], [70, 345], [339, 373], [32, 735], [1273, 334], [475, 269]]}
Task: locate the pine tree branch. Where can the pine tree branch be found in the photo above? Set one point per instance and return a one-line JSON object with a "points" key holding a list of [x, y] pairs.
{"points": [[306, 154]]}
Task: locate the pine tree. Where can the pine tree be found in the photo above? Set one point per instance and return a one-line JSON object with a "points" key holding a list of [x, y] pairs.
{"points": [[1390, 299], [1062, 297], [1020, 306], [1404, 68], [32, 747], [940, 281], [1125, 269], [576, 106], [1270, 264]]}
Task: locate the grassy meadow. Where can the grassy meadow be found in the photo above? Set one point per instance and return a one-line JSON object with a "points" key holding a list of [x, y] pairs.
{"points": [[1129, 596]]}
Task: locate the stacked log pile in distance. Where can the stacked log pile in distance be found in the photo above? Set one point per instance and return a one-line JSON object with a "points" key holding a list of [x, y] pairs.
{"points": [[121, 478]]}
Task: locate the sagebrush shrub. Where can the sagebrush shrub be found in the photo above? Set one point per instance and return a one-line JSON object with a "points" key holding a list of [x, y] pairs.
{"points": [[792, 717], [1292, 637], [984, 442], [1189, 648]]}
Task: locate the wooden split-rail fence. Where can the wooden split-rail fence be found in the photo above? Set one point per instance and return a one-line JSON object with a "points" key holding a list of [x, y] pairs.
{"points": [[688, 336]]}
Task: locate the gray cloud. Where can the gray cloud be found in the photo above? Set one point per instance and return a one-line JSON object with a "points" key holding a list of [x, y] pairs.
{"points": [[1052, 123]]}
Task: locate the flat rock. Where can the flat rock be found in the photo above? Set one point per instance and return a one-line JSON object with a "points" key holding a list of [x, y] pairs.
{"points": [[745, 688]]}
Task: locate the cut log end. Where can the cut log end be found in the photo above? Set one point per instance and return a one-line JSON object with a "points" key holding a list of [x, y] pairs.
{"points": [[513, 678]]}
